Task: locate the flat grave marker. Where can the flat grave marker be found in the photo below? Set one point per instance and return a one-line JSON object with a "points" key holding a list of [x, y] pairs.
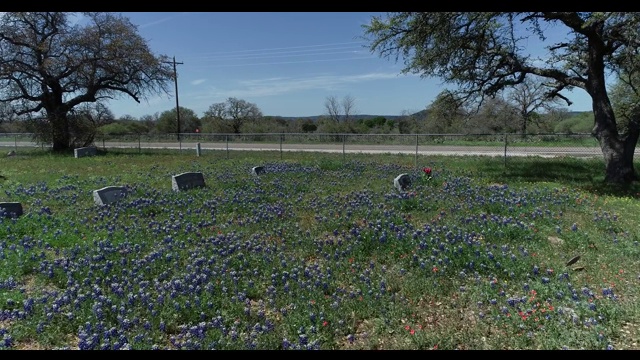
{"points": [[85, 151], [257, 170], [187, 180], [402, 182], [109, 194], [10, 209]]}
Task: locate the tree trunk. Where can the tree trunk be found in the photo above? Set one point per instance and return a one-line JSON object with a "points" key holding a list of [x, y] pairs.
{"points": [[60, 131], [235, 125], [618, 161], [618, 152]]}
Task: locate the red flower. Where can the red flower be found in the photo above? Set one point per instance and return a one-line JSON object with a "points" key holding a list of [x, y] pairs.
{"points": [[427, 170]]}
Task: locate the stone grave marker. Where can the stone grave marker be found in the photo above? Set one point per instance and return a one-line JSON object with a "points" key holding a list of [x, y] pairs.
{"points": [[109, 194], [188, 180], [11, 153], [10, 209], [85, 151], [257, 170], [402, 182]]}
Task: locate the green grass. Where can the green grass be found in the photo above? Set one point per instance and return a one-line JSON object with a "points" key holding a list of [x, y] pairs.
{"points": [[319, 252]]}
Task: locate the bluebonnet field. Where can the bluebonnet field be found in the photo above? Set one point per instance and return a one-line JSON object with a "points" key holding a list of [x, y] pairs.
{"points": [[316, 253]]}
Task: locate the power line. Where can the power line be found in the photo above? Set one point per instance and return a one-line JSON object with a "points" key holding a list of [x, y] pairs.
{"points": [[277, 49], [307, 52]]}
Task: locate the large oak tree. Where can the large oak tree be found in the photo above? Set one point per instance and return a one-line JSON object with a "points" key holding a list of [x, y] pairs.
{"points": [[484, 53], [234, 112], [167, 121], [529, 97], [50, 64]]}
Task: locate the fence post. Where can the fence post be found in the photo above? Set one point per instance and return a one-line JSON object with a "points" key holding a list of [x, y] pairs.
{"points": [[344, 141], [139, 144], [505, 150], [103, 146], [227, 139], [15, 142], [180, 141], [416, 160], [281, 137]]}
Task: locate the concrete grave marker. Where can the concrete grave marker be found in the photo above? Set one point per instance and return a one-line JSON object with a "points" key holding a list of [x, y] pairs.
{"points": [[11, 153], [257, 170], [10, 209], [188, 180], [109, 194], [85, 151], [402, 182]]}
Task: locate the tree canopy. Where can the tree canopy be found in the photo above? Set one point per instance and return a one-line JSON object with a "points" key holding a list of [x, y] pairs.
{"points": [[235, 112], [50, 64], [484, 53], [167, 121]]}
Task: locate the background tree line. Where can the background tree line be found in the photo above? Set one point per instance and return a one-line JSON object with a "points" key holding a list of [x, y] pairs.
{"points": [[443, 116]]}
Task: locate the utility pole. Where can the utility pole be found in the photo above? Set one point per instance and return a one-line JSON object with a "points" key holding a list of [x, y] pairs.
{"points": [[175, 78]]}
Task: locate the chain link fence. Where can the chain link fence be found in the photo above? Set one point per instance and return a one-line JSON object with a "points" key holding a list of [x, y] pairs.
{"points": [[503, 145]]}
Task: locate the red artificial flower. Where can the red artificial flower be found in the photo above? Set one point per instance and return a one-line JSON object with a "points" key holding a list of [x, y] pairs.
{"points": [[427, 170]]}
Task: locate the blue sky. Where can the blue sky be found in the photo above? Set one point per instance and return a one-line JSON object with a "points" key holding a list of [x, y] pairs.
{"points": [[287, 63]]}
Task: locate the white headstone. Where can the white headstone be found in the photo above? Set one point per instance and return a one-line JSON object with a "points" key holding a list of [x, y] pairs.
{"points": [[109, 194], [10, 209], [257, 170], [402, 182], [187, 180], [85, 151]]}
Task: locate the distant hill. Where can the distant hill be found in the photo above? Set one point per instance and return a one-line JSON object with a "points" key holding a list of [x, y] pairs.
{"points": [[356, 117], [419, 114]]}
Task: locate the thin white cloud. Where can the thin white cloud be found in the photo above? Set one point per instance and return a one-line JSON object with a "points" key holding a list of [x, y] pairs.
{"points": [[160, 21], [198, 81], [279, 86], [155, 22]]}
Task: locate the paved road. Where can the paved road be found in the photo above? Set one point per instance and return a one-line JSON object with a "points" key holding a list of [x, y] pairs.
{"points": [[355, 148]]}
